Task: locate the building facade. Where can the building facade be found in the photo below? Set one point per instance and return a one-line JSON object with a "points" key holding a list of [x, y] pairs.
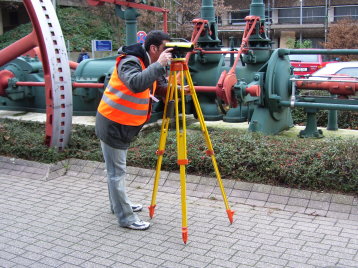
{"points": [[285, 19]]}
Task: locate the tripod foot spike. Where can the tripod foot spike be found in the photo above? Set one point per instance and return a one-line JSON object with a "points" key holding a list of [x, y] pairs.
{"points": [[184, 231], [230, 214], [151, 211]]}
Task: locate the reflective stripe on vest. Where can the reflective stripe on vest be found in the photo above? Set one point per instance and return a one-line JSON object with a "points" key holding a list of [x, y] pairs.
{"points": [[123, 106]]}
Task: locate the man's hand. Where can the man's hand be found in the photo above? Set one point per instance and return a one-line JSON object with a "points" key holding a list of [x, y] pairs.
{"points": [[186, 89], [165, 57]]}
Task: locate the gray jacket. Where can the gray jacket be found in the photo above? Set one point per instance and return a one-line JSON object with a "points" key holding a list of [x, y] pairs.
{"points": [[137, 80]]}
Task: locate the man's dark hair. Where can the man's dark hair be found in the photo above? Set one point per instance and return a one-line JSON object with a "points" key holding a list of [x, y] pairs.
{"points": [[155, 38]]}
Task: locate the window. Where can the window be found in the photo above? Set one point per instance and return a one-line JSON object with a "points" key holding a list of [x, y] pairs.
{"points": [[351, 71], [289, 15], [304, 58], [218, 20], [238, 17], [346, 11], [309, 15]]}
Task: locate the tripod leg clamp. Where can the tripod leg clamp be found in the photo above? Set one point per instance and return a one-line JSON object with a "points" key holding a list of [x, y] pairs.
{"points": [[183, 161], [170, 109]]}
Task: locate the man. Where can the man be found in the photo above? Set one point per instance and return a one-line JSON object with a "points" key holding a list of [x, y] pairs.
{"points": [[83, 55], [122, 112]]}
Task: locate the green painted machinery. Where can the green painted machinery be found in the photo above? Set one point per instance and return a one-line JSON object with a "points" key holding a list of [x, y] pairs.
{"points": [[267, 71], [31, 98]]}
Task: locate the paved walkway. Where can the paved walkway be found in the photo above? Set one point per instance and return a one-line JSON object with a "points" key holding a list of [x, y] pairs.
{"points": [[58, 216]]}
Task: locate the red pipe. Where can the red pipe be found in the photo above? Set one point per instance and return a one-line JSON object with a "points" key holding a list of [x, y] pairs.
{"points": [[5, 75], [101, 85], [73, 65], [30, 84], [338, 88], [74, 84], [165, 21], [88, 85], [18, 48], [206, 89]]}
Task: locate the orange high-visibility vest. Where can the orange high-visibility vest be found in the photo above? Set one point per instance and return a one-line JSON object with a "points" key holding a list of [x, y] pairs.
{"points": [[123, 106]]}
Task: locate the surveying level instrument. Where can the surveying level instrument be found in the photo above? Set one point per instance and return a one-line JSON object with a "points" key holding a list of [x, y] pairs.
{"points": [[178, 71], [180, 48]]}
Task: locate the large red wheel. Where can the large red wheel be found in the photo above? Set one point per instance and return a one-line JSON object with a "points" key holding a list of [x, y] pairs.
{"points": [[47, 35]]}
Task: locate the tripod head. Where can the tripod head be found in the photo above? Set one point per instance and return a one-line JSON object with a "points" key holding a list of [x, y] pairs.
{"points": [[180, 48]]}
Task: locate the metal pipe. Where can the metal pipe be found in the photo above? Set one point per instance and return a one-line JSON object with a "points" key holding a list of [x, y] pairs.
{"points": [[88, 85], [74, 84], [73, 65], [349, 79], [18, 48], [322, 106], [339, 88], [284, 51], [206, 89], [301, 20], [257, 8], [325, 22], [209, 89]]}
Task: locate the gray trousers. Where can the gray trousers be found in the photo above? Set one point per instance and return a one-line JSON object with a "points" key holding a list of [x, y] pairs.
{"points": [[115, 160]]}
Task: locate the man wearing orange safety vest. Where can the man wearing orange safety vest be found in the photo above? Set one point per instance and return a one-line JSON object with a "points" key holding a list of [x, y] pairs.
{"points": [[125, 107]]}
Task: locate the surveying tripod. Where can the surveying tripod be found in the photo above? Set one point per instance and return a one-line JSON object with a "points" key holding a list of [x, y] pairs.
{"points": [[178, 70]]}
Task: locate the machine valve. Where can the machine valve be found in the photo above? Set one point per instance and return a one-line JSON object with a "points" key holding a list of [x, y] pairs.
{"points": [[254, 90]]}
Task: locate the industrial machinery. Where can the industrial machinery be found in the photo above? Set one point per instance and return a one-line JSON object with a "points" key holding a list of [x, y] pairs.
{"points": [[261, 90], [36, 76]]}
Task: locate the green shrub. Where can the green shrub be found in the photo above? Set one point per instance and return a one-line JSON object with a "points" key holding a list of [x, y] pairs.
{"points": [[299, 163], [26, 140], [322, 165], [346, 119]]}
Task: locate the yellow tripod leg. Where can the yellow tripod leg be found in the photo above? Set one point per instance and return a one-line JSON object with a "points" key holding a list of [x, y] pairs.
{"points": [[182, 155], [210, 150], [162, 140]]}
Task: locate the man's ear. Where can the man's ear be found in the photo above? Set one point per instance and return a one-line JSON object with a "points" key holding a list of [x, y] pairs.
{"points": [[152, 48]]}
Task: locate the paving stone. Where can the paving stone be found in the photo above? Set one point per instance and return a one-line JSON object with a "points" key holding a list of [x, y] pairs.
{"points": [[208, 181], [258, 196], [274, 205], [254, 202], [342, 199], [262, 188], [241, 185], [325, 197], [278, 199], [353, 217], [315, 212], [300, 194], [293, 208], [65, 222], [294, 264], [338, 215], [340, 208], [239, 193], [318, 205], [275, 190]]}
